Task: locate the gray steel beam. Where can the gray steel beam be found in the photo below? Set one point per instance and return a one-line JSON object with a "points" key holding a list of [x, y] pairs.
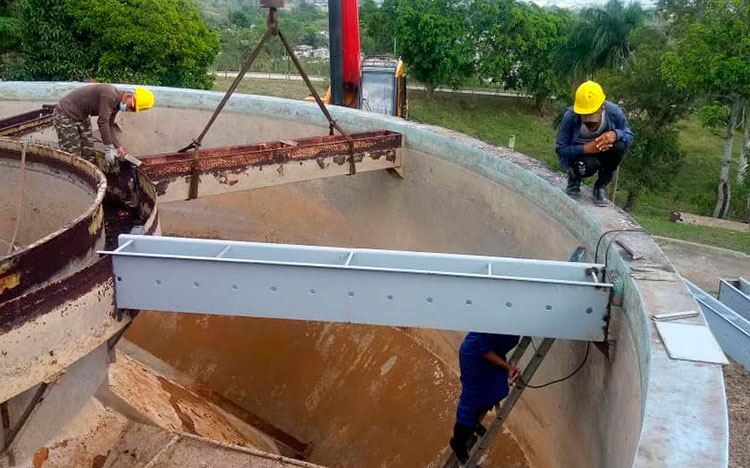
{"points": [[735, 294], [380, 287], [730, 329]]}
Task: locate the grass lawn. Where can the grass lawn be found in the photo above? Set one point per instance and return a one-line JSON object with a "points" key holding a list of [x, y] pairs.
{"points": [[492, 119], [695, 182], [495, 119], [289, 89]]}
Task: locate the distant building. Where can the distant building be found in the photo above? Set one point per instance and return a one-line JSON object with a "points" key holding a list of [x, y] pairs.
{"points": [[320, 53], [303, 50]]}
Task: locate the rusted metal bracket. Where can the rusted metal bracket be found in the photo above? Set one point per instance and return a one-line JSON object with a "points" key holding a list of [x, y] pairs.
{"points": [[178, 176], [331, 123], [22, 124]]}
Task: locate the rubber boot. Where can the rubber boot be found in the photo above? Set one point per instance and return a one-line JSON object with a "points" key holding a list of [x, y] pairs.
{"points": [[574, 184], [460, 442], [600, 197]]}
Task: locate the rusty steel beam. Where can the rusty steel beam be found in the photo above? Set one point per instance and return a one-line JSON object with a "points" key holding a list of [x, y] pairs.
{"points": [[237, 168], [22, 124]]}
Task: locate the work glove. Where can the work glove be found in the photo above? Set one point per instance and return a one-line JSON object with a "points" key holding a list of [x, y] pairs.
{"points": [[110, 154]]}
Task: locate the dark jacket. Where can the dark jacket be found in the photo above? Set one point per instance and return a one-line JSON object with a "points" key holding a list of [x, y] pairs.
{"points": [[570, 129], [483, 384], [102, 100]]}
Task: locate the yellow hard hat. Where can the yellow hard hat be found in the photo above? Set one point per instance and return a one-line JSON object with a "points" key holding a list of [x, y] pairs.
{"points": [[144, 99], [589, 98]]}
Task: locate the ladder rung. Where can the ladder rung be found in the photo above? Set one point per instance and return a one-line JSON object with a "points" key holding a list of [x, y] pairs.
{"points": [[510, 401]]}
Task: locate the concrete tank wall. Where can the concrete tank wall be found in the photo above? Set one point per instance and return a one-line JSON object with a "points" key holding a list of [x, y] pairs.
{"points": [[353, 391], [459, 195]]}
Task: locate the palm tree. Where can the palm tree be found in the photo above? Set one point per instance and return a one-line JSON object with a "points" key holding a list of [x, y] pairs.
{"points": [[600, 37]]}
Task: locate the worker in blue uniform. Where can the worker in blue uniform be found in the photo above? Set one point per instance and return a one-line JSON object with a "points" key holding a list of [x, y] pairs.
{"points": [[485, 379]]}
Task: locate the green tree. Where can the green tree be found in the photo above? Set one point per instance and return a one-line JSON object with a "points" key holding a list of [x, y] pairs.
{"points": [[161, 42], [599, 38], [240, 19], [50, 46], [743, 175], [432, 38], [236, 44], [378, 26], [10, 37], [654, 106], [710, 57], [515, 43]]}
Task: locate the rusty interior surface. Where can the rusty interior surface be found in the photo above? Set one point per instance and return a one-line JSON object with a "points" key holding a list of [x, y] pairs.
{"points": [[362, 396], [61, 221], [67, 203], [379, 396]]}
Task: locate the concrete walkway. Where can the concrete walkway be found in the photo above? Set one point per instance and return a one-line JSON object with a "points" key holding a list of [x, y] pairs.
{"points": [[704, 264]]}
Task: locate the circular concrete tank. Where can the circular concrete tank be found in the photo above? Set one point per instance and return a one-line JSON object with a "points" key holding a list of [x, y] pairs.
{"points": [[374, 396], [61, 196], [52, 198]]}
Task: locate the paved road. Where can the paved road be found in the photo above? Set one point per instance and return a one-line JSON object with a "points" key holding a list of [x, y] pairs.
{"points": [[704, 264], [294, 77], [267, 76]]}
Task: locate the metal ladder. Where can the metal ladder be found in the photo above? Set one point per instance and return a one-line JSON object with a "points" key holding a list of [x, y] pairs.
{"points": [[480, 447]]}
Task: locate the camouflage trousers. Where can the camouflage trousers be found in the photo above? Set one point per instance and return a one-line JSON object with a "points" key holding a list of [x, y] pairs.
{"points": [[75, 137]]}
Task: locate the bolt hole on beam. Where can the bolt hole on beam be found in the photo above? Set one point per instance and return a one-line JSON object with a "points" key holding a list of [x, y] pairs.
{"points": [[549, 307], [390, 297], [509, 304], [196, 284], [274, 288], [158, 282], [469, 302], [119, 278], [312, 292], [429, 300], [351, 293], [235, 287], [589, 310]]}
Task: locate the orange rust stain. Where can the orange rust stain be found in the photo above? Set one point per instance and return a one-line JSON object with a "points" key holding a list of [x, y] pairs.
{"points": [[99, 461], [176, 394], [96, 222], [40, 457], [9, 282]]}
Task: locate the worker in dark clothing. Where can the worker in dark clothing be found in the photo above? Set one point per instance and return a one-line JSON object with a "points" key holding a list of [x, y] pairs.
{"points": [[485, 378], [73, 124], [593, 137]]}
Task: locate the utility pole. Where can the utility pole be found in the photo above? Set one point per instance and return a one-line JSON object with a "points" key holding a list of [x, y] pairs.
{"points": [[335, 47]]}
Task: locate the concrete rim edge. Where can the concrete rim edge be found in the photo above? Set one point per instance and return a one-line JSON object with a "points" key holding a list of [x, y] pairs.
{"points": [[663, 440]]}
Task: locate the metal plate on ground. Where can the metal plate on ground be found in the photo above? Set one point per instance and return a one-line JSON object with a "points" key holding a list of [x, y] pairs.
{"points": [[732, 294], [730, 329], [690, 342]]}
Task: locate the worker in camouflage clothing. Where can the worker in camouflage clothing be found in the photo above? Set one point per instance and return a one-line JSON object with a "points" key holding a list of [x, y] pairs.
{"points": [[72, 118]]}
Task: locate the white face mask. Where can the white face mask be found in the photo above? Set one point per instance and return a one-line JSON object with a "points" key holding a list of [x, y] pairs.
{"points": [[123, 107]]}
